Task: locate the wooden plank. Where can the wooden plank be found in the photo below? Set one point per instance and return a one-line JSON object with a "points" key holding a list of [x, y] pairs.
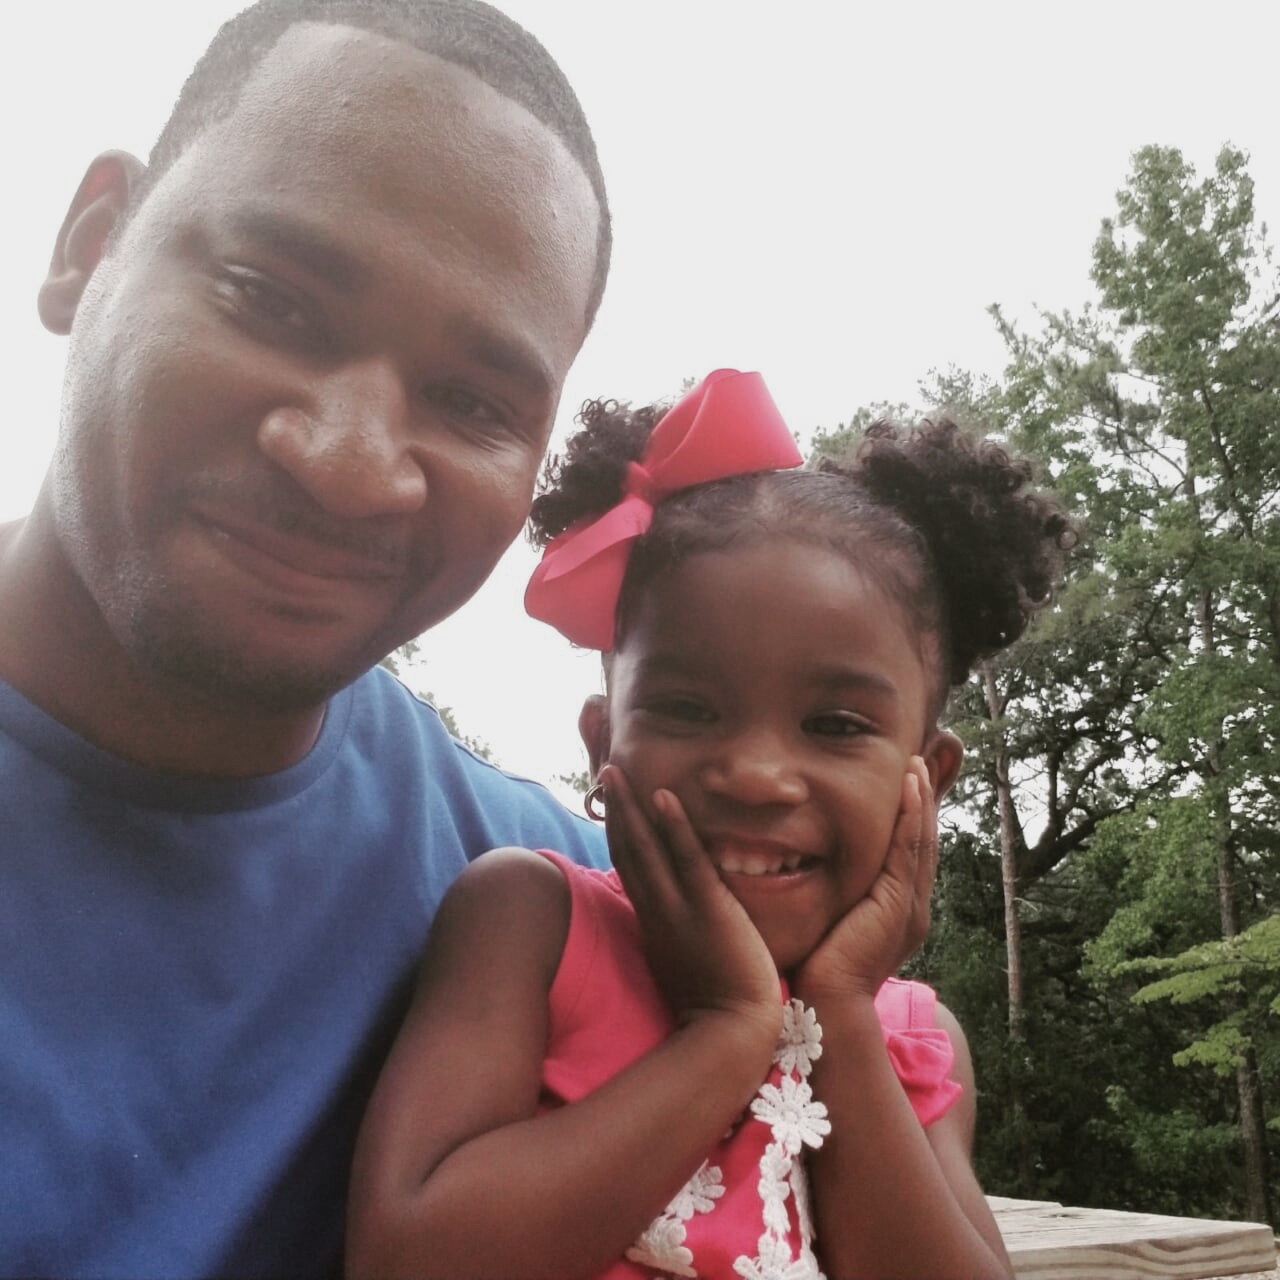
{"points": [[1047, 1241], [1003, 1204]]}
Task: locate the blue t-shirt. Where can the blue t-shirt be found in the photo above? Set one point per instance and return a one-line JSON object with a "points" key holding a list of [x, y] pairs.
{"points": [[199, 979]]}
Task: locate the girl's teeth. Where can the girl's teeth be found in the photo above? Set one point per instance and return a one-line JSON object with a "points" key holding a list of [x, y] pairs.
{"points": [[758, 864]]}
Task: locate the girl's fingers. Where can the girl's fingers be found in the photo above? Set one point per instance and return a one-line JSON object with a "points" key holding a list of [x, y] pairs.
{"points": [[702, 949], [903, 860], [685, 852], [879, 933], [927, 841], [667, 866], [662, 864], [909, 865], [632, 842]]}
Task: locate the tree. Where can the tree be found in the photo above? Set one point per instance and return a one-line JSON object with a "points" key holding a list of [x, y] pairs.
{"points": [[1123, 755], [1159, 413]]}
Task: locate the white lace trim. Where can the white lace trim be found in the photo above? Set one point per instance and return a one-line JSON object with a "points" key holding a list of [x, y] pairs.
{"points": [[661, 1245], [796, 1120]]}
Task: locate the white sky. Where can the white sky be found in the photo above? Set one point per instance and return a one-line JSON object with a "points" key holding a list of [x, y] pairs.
{"points": [[829, 191]]}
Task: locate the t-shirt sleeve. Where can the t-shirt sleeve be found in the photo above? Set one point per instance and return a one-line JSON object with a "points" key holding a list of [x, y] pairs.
{"points": [[921, 1052]]}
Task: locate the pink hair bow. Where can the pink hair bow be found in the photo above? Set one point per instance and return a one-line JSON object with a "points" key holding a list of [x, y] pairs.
{"points": [[727, 425]]}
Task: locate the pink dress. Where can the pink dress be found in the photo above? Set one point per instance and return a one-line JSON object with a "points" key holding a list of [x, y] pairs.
{"points": [[744, 1214]]}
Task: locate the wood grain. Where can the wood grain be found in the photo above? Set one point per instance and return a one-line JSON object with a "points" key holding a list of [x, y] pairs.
{"points": [[1048, 1241]]}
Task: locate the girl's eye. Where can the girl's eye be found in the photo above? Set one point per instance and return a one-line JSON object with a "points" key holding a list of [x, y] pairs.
{"points": [[837, 724], [258, 299], [681, 710]]}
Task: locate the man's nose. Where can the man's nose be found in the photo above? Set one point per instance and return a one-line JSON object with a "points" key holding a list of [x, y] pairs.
{"points": [[756, 767], [349, 443]]}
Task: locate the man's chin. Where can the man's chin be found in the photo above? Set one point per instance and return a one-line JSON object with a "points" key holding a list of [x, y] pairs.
{"points": [[232, 677]]}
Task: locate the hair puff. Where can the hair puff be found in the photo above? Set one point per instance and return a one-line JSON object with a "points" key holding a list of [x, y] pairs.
{"points": [[586, 479], [996, 543]]}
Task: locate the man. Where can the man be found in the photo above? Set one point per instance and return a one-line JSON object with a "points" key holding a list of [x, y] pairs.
{"points": [[315, 353]]}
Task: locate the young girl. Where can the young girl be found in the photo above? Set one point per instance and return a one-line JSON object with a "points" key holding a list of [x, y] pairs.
{"points": [[702, 1064]]}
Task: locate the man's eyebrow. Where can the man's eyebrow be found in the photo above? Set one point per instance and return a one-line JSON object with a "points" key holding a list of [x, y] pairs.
{"points": [[291, 239]]}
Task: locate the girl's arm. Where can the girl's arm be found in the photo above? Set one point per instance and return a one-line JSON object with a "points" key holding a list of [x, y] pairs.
{"points": [[455, 1172], [891, 1199]]}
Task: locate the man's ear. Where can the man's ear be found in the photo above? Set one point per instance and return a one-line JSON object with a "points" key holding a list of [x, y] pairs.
{"points": [[593, 725], [102, 198], [943, 755]]}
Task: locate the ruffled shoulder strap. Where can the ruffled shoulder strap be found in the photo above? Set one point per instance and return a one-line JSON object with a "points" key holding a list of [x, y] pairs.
{"points": [[921, 1052]]}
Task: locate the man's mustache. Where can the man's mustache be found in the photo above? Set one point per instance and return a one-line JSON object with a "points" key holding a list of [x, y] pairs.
{"points": [[382, 540]]}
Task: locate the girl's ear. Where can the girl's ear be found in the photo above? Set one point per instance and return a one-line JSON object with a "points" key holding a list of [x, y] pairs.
{"points": [[943, 755], [593, 725], [102, 198]]}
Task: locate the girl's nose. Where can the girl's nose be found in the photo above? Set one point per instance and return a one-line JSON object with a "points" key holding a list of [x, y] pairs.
{"points": [[349, 444], [756, 769]]}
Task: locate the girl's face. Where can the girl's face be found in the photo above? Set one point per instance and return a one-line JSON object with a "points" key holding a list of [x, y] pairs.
{"points": [[779, 694]]}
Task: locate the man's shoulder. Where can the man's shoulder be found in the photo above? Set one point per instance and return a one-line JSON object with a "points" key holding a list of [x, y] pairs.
{"points": [[386, 709], [487, 804]]}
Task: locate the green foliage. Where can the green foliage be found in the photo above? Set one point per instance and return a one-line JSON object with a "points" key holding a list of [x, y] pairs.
{"points": [[835, 441], [1246, 966], [1222, 1047], [1177, 1137], [579, 782], [1157, 861], [1255, 952]]}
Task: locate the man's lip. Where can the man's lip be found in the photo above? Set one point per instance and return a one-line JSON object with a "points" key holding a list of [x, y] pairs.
{"points": [[298, 553]]}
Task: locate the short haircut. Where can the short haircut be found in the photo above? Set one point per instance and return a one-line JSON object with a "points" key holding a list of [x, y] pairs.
{"points": [[469, 33]]}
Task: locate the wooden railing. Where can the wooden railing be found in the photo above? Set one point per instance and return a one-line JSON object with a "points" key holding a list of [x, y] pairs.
{"points": [[1048, 1241]]}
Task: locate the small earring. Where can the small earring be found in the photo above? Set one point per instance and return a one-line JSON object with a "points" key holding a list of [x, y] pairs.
{"points": [[591, 799]]}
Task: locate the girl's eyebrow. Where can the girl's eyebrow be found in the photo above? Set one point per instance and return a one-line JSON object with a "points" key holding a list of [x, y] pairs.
{"points": [[858, 677], [672, 664], [830, 679], [841, 677]]}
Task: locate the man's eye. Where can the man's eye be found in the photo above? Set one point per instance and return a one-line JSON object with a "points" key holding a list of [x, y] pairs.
{"points": [[258, 298], [837, 724], [468, 410]]}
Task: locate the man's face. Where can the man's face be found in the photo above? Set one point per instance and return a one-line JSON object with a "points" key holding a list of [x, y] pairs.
{"points": [[310, 386]]}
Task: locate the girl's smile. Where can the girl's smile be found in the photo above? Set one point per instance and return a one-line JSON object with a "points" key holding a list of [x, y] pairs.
{"points": [[778, 693], [733, 856]]}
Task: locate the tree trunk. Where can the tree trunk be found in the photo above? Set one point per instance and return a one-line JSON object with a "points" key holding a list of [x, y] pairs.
{"points": [[1013, 940], [1253, 1132]]}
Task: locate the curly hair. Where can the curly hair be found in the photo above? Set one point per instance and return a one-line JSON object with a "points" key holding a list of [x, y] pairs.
{"points": [[995, 544], [946, 523], [586, 480]]}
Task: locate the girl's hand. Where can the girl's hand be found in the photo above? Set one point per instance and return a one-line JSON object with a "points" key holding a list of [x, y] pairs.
{"points": [[703, 951], [872, 940]]}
